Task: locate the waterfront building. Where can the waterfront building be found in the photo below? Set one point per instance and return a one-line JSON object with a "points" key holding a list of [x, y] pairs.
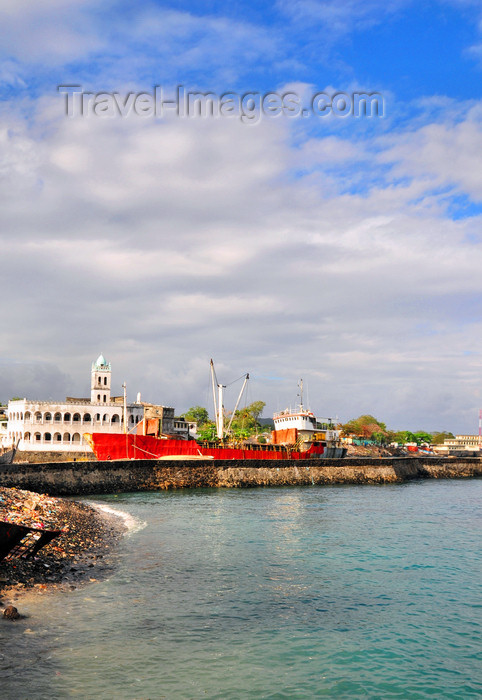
{"points": [[51, 426], [3, 427], [462, 442], [185, 429]]}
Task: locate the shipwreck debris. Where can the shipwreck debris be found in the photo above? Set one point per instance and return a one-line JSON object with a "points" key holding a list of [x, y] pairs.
{"points": [[22, 541]]}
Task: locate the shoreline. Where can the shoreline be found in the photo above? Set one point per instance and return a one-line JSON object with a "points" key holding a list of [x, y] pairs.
{"points": [[82, 554], [127, 476]]}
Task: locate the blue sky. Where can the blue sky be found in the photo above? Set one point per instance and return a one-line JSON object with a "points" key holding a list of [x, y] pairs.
{"points": [[344, 250]]}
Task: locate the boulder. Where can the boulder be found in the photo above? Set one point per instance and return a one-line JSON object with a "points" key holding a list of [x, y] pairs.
{"points": [[11, 613]]}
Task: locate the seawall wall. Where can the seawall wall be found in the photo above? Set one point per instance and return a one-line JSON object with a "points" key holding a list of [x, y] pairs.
{"points": [[85, 478]]}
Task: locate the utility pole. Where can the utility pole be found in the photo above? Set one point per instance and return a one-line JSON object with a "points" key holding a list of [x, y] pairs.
{"points": [[124, 386]]}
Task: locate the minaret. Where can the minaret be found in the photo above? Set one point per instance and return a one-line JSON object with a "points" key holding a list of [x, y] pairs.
{"points": [[100, 381]]}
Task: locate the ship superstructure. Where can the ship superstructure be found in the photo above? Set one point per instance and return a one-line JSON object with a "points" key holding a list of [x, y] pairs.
{"points": [[301, 427]]}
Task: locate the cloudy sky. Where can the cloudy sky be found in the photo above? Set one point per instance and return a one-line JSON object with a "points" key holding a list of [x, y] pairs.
{"points": [[343, 249]]}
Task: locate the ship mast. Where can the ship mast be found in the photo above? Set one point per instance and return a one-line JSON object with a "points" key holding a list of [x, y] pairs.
{"points": [[124, 386], [219, 403], [237, 402], [300, 385]]}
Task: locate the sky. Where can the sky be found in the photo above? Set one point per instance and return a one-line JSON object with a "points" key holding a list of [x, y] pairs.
{"points": [[341, 248]]}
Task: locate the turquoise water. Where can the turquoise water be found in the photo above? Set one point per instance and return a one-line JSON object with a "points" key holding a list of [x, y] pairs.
{"points": [[337, 592]]}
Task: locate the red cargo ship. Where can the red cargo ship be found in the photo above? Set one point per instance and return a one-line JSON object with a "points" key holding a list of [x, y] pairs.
{"points": [[294, 437], [107, 446]]}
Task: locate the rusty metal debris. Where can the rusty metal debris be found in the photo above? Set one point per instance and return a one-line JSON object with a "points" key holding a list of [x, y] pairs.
{"points": [[8, 457], [20, 541]]}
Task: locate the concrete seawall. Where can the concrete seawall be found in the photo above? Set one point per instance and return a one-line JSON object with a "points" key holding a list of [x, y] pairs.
{"points": [[83, 478]]}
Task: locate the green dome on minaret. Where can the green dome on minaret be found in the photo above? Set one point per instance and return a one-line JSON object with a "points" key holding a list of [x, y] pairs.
{"points": [[101, 363]]}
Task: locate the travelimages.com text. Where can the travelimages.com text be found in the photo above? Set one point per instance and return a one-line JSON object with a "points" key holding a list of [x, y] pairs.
{"points": [[249, 106]]}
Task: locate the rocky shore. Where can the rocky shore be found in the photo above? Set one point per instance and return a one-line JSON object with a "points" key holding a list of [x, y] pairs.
{"points": [[78, 555]]}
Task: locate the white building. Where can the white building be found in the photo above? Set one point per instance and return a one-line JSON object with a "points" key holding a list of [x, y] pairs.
{"points": [[462, 442], [3, 428], [44, 426]]}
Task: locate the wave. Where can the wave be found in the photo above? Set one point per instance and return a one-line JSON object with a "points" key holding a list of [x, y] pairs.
{"points": [[132, 524]]}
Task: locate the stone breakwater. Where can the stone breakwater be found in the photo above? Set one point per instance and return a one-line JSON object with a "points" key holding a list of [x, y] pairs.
{"points": [[85, 478]]}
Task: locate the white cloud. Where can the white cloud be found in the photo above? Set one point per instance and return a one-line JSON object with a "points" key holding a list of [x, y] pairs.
{"points": [[118, 45], [162, 244], [51, 32], [446, 154], [340, 16]]}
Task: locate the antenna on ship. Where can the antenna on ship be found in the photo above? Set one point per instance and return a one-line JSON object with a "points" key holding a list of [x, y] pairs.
{"points": [[300, 385]]}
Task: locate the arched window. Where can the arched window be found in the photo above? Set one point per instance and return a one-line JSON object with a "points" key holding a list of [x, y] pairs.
{"points": [[76, 437], [87, 418], [47, 437], [27, 437], [98, 397], [97, 416], [58, 417], [66, 437], [21, 416], [38, 437], [115, 418], [105, 381], [105, 398], [131, 419], [28, 415], [47, 416], [105, 419], [137, 419], [57, 437], [38, 417], [67, 418], [100, 381], [76, 417]]}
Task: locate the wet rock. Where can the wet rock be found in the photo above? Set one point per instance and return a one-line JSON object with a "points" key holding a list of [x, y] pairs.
{"points": [[11, 613], [86, 533]]}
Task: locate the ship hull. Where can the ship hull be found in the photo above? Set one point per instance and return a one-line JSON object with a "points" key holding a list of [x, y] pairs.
{"points": [[107, 446]]}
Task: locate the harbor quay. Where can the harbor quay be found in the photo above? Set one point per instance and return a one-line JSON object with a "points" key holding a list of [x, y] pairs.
{"points": [[124, 476]]}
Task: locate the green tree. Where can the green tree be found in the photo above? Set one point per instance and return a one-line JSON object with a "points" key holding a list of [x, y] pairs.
{"points": [[198, 414], [439, 438], [207, 431], [365, 427], [404, 436], [245, 421], [422, 437], [255, 409]]}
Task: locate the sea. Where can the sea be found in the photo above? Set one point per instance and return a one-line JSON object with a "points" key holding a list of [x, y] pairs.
{"points": [[296, 592]]}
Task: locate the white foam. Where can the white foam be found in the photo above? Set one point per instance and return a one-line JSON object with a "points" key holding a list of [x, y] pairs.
{"points": [[132, 524]]}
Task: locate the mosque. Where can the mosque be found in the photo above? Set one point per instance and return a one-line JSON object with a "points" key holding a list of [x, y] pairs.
{"points": [[45, 426]]}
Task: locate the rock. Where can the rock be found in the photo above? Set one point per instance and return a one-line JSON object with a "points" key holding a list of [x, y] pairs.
{"points": [[11, 613]]}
